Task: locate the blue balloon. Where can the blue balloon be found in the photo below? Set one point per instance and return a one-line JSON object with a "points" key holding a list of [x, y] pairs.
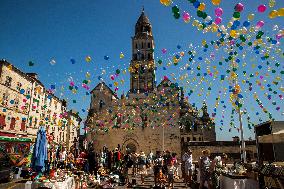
{"points": [[72, 60], [246, 24], [178, 46], [106, 57], [196, 4], [177, 56], [236, 23], [199, 58]]}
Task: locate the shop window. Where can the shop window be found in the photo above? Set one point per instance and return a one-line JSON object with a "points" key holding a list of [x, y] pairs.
{"points": [[13, 123], [8, 81]]}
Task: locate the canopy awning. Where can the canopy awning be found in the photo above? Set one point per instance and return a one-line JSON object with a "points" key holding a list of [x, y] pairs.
{"points": [[14, 139], [272, 138]]}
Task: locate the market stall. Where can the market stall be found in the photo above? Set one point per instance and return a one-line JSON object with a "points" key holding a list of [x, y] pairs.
{"points": [[237, 182]]}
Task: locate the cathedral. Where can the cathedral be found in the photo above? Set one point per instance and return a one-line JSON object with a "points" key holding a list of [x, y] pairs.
{"points": [[149, 117]]}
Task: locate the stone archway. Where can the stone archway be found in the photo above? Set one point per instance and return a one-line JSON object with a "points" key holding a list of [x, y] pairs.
{"points": [[130, 144], [130, 147]]}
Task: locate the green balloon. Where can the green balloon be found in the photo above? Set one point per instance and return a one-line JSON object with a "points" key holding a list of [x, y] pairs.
{"points": [[237, 15]]}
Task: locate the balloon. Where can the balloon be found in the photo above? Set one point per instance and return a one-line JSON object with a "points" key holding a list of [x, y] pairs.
{"points": [[250, 17], [259, 24], [88, 59], [72, 60], [164, 51], [112, 77], [121, 56], [106, 57], [196, 4], [218, 20], [185, 17], [216, 2], [52, 62], [166, 2], [246, 23], [271, 3], [218, 11], [175, 11], [261, 8], [236, 15], [273, 14], [239, 7], [208, 19], [201, 7], [281, 12]]}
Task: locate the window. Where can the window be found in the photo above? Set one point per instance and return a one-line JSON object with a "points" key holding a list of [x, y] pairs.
{"points": [[23, 125], [35, 122], [31, 121], [149, 56], [8, 81], [182, 140], [195, 127], [28, 91], [5, 99], [200, 139], [187, 139], [13, 123], [19, 86], [149, 45], [16, 103], [142, 45], [136, 46], [194, 139]]}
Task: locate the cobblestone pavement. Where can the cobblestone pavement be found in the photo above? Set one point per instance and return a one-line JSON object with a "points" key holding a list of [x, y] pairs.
{"points": [[149, 181], [14, 184]]}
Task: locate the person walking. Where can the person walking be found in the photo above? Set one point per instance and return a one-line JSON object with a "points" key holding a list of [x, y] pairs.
{"points": [[204, 166], [171, 173], [142, 166], [187, 167]]}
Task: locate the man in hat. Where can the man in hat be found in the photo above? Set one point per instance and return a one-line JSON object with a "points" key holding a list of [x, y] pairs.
{"points": [[187, 166]]}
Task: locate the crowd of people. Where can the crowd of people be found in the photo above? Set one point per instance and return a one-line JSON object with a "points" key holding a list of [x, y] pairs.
{"points": [[164, 165]]}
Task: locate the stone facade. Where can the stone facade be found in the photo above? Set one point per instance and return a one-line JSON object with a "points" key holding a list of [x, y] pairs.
{"points": [[26, 103], [73, 129], [149, 117], [231, 148]]}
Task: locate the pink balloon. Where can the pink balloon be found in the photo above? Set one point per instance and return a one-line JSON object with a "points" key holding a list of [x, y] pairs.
{"points": [[260, 24], [239, 7], [218, 20], [218, 11], [261, 8], [112, 77], [185, 15]]}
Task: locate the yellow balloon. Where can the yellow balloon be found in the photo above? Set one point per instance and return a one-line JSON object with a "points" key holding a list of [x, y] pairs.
{"points": [[166, 2], [281, 12], [88, 59], [195, 22], [273, 14], [200, 27], [115, 84], [201, 7], [233, 33], [203, 42], [250, 16], [216, 2], [121, 55]]}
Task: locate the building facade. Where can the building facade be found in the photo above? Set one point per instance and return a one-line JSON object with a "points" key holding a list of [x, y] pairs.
{"points": [[150, 117], [25, 104]]}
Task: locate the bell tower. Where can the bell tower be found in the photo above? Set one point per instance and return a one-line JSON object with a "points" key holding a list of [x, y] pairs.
{"points": [[142, 65]]}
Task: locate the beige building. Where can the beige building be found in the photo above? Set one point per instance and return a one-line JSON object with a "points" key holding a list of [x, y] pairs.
{"points": [[150, 117], [25, 103], [73, 129]]}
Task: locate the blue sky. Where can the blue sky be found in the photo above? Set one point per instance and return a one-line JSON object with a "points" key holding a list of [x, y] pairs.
{"points": [[41, 31]]}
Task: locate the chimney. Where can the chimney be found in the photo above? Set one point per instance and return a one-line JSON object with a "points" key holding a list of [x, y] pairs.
{"points": [[33, 75]]}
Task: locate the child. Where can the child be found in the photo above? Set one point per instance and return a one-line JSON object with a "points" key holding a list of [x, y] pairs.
{"points": [[171, 173], [161, 178]]}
